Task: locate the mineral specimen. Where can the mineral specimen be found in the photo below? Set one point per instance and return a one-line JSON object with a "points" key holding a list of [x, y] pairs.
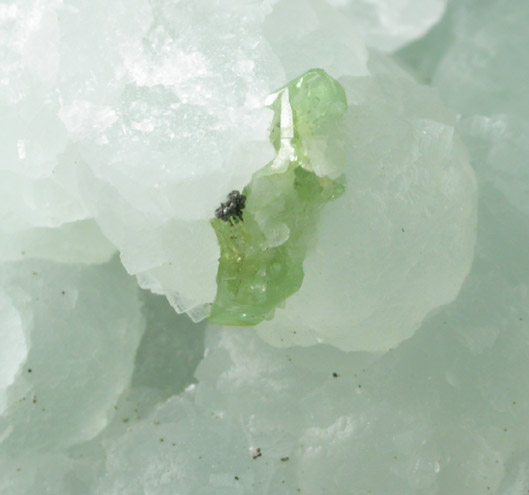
{"points": [[373, 228], [263, 248]]}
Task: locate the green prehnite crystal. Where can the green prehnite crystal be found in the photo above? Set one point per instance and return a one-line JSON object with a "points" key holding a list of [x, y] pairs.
{"points": [[262, 250]]}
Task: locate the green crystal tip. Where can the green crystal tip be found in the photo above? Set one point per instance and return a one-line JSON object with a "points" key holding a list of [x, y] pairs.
{"points": [[264, 232]]}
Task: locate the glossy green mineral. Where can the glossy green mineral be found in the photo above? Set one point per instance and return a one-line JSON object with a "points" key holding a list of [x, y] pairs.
{"points": [[262, 252]]}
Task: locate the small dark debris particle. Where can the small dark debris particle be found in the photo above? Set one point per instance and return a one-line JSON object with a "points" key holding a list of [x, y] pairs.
{"points": [[335, 375], [161, 440], [257, 453], [35, 399], [505, 429], [402, 230], [173, 444], [18, 470], [30, 370], [284, 459], [232, 209], [125, 420], [237, 478], [63, 292], [359, 386]]}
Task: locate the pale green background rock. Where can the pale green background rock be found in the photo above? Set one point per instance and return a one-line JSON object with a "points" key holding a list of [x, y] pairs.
{"points": [[76, 242], [63, 322], [389, 24], [484, 75]]}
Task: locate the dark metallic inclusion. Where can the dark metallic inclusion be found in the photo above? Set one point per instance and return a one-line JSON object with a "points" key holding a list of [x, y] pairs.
{"points": [[233, 208]]}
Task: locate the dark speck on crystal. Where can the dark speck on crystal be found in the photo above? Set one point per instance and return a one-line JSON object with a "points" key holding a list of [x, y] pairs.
{"points": [[232, 208]]}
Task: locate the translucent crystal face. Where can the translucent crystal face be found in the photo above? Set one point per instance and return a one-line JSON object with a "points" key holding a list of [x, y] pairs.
{"points": [[264, 233]]}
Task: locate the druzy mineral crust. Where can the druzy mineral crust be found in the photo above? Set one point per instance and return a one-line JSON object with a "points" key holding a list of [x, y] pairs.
{"points": [[264, 238], [369, 220]]}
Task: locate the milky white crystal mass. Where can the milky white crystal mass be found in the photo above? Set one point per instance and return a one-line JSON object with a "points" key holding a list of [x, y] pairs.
{"points": [[149, 128], [188, 127], [45, 69], [151, 90]]}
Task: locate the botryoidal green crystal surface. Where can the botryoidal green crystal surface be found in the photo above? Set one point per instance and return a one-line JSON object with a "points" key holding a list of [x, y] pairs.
{"points": [[262, 247]]}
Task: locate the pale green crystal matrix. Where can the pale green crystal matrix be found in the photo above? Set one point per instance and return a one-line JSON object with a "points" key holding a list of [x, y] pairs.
{"points": [[261, 261]]}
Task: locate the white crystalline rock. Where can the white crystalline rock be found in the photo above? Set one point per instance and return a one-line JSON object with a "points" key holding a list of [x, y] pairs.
{"points": [[189, 127], [154, 183], [37, 181], [389, 24], [59, 325], [38, 76], [145, 125], [400, 241]]}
